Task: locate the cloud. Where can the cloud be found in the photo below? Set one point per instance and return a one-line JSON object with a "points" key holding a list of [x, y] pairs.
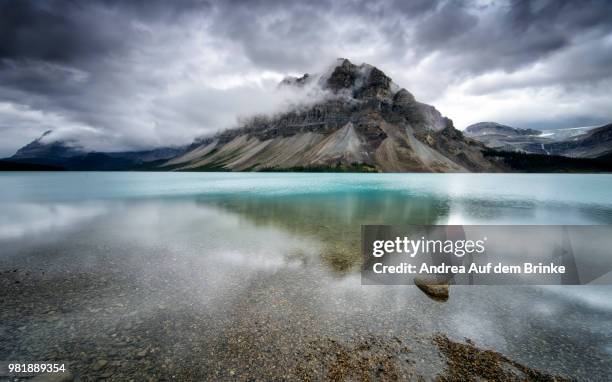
{"points": [[121, 75]]}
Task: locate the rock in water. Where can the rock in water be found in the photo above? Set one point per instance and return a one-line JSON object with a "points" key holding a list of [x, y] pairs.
{"points": [[438, 292]]}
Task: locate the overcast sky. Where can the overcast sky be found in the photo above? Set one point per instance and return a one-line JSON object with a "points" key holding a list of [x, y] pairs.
{"points": [[120, 75]]}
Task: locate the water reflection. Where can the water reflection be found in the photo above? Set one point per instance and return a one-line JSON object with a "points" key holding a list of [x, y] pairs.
{"points": [[19, 220], [335, 218], [231, 276]]}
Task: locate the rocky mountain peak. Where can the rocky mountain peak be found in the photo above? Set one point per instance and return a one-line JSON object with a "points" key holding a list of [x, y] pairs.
{"points": [[295, 81], [377, 86], [343, 76], [362, 82]]}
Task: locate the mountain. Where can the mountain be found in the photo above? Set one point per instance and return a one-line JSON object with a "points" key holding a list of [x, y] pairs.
{"points": [[45, 153], [506, 138], [349, 118], [493, 128], [580, 142], [50, 151], [356, 120], [594, 143]]}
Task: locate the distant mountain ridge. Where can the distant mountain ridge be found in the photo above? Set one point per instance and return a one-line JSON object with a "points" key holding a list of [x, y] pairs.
{"points": [[594, 143], [493, 128], [67, 154], [55, 150], [591, 142]]}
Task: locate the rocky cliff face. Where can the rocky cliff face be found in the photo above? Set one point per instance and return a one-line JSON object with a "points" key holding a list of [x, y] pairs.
{"points": [[364, 122]]}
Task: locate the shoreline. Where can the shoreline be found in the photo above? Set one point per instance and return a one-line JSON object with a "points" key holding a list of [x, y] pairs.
{"points": [[120, 344]]}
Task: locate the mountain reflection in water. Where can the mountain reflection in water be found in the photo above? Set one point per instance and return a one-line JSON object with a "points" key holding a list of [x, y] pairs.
{"points": [[212, 272]]}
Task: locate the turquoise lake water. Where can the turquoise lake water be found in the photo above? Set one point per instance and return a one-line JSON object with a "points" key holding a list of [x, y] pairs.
{"points": [[203, 242]]}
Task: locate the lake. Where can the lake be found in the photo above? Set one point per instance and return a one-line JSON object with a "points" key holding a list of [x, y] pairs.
{"points": [[235, 275]]}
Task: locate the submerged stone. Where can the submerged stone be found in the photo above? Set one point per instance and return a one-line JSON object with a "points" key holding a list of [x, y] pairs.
{"points": [[438, 292]]}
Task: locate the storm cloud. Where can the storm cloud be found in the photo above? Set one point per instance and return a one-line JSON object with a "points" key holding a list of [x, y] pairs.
{"points": [[119, 75]]}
